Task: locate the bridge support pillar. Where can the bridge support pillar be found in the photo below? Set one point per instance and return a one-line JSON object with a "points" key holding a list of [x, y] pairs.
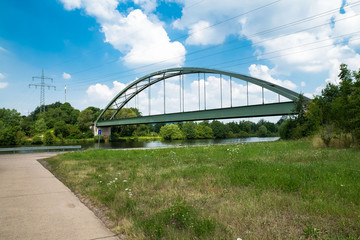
{"points": [[105, 131]]}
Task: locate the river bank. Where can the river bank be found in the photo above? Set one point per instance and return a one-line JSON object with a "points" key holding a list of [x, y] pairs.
{"points": [[268, 190]]}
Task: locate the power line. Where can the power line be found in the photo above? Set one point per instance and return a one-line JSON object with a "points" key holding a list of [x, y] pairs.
{"points": [[253, 44], [262, 32]]}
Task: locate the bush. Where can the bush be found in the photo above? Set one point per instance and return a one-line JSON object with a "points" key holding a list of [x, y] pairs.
{"points": [[171, 132], [37, 140], [49, 139], [102, 139]]}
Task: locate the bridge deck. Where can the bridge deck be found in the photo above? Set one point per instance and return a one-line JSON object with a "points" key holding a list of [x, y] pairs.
{"points": [[263, 110]]}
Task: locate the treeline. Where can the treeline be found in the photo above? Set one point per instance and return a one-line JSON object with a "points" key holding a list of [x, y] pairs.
{"points": [[59, 122], [202, 130], [334, 116]]}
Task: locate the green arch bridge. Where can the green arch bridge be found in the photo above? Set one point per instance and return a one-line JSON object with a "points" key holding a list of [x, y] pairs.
{"points": [[108, 116]]}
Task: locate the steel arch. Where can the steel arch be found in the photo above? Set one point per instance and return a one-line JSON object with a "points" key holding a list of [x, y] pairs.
{"points": [[137, 86]]}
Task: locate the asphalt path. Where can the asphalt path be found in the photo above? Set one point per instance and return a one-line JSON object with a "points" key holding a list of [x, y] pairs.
{"points": [[36, 205]]}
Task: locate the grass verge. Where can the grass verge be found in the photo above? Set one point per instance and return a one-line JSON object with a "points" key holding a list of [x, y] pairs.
{"points": [[274, 190]]}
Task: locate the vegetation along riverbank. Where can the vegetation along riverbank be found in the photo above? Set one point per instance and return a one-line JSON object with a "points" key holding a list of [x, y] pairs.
{"points": [[273, 190]]}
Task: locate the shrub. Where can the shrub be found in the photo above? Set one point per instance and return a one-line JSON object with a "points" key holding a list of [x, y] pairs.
{"points": [[49, 139]]}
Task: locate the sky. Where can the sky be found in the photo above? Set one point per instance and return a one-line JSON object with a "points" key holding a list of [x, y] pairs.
{"points": [[97, 47]]}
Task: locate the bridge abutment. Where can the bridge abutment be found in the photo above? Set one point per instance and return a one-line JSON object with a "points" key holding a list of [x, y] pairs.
{"points": [[105, 131]]}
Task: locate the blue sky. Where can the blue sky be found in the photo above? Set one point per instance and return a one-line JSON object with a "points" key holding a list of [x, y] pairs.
{"points": [[96, 47]]}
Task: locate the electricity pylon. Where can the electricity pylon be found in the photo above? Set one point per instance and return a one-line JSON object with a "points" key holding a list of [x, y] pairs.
{"points": [[42, 86]]}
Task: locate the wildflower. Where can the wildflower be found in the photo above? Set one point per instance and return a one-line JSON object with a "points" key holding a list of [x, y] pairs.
{"points": [[124, 180], [115, 178]]}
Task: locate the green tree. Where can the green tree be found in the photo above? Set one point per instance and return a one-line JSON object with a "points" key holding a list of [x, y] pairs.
{"points": [[171, 132], [61, 128], [203, 131], [85, 120], [219, 129], [188, 130], [262, 132], [40, 126], [49, 139]]}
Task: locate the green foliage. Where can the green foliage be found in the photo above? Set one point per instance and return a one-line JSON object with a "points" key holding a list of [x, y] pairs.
{"points": [[85, 119], [49, 139], [37, 140], [202, 131], [171, 132], [336, 112], [189, 130], [102, 138], [219, 129], [10, 133], [263, 132], [219, 192], [40, 126], [61, 128]]}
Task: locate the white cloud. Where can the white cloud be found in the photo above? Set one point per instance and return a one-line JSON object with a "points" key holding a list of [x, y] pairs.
{"points": [[303, 84], [3, 84], [140, 37], [263, 72], [147, 5], [66, 75], [290, 48], [3, 49], [201, 33], [2, 76], [215, 88], [101, 94], [71, 4]]}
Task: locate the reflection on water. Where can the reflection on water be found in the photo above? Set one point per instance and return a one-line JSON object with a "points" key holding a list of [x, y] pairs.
{"points": [[154, 144]]}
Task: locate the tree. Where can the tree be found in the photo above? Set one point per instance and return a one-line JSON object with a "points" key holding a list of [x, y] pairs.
{"points": [[171, 132], [49, 139], [219, 129], [85, 120], [262, 132], [188, 130], [60, 128], [203, 131], [40, 126]]}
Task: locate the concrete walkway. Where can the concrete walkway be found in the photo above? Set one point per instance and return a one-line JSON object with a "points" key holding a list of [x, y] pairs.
{"points": [[36, 205]]}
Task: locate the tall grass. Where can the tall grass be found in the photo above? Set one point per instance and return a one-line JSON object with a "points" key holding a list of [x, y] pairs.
{"points": [[277, 190]]}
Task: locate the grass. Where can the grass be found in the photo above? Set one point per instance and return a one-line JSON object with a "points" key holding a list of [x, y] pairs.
{"points": [[275, 190]]}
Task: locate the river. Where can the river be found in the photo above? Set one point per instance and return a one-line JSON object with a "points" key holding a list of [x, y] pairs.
{"points": [[150, 144], [156, 144]]}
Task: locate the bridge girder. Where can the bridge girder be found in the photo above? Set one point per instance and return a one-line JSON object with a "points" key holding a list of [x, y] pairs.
{"points": [[139, 85]]}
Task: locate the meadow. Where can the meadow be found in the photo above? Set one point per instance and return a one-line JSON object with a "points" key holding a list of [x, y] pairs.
{"points": [[272, 190]]}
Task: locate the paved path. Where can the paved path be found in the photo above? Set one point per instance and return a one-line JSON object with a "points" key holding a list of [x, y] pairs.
{"points": [[36, 205]]}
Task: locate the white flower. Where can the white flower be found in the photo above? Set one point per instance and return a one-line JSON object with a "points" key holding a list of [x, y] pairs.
{"points": [[124, 180]]}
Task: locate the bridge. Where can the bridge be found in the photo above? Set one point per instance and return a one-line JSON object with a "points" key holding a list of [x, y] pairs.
{"points": [[110, 115]]}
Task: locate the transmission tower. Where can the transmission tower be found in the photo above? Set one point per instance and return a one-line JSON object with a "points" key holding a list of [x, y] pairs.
{"points": [[42, 86]]}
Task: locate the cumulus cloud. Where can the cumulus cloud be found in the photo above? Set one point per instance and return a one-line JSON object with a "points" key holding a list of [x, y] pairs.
{"points": [[140, 36], [101, 94], [263, 72], [66, 75], [279, 32], [202, 34], [3, 84], [194, 97]]}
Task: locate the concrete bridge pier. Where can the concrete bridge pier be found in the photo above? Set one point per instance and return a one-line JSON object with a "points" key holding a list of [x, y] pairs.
{"points": [[105, 131]]}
